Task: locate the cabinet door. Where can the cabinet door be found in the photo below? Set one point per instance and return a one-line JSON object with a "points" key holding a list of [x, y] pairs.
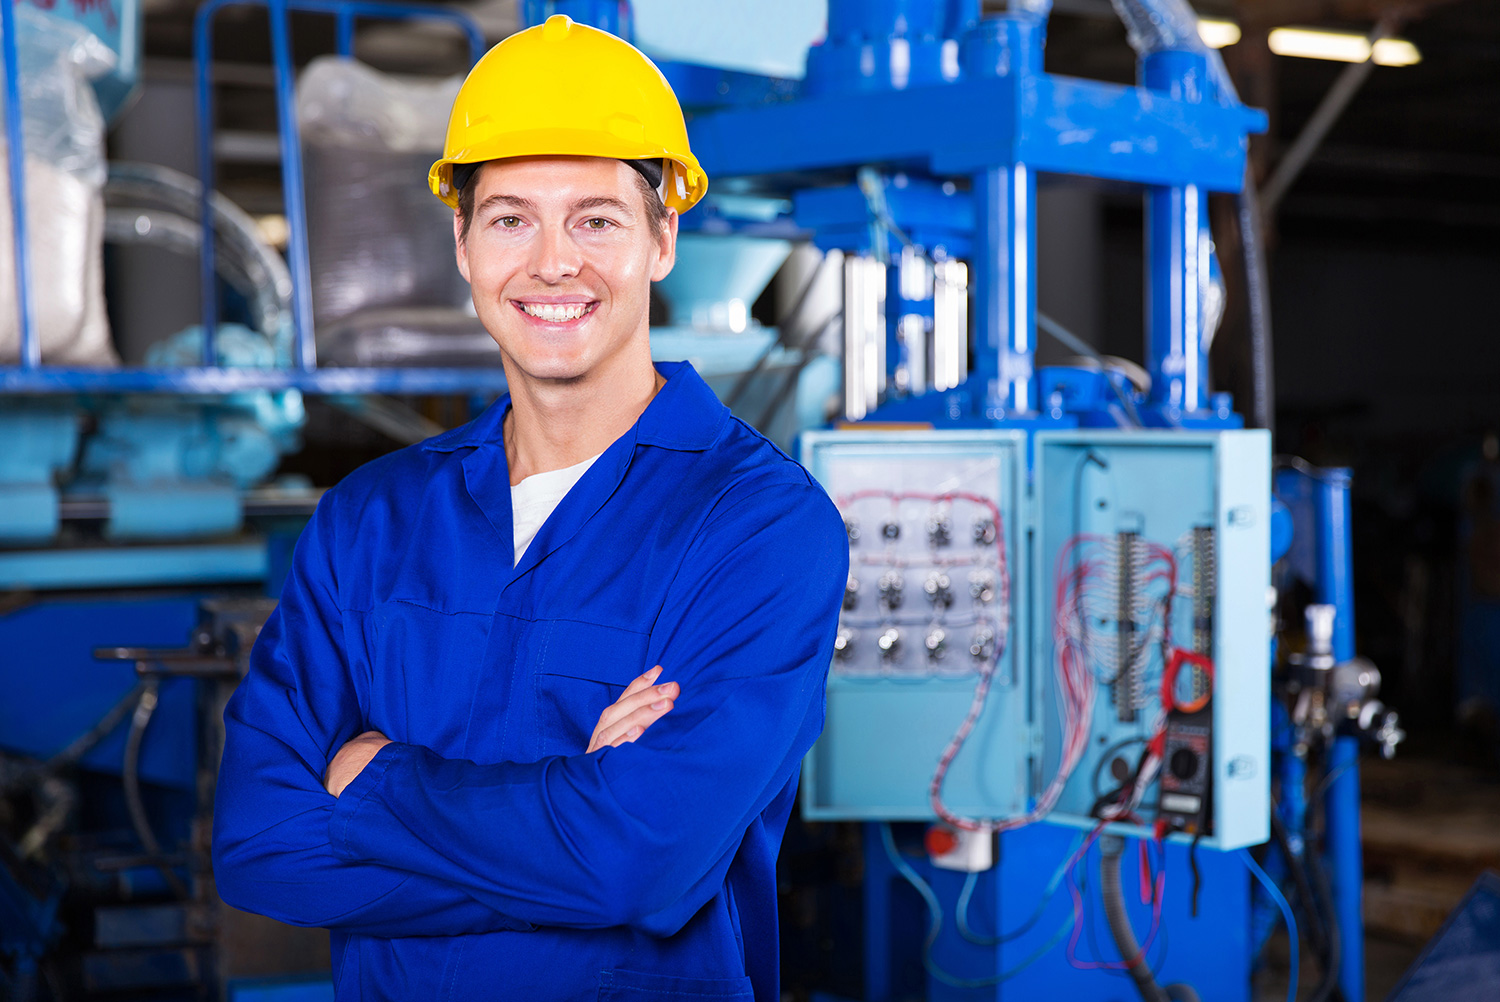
{"points": [[1152, 564], [933, 621]]}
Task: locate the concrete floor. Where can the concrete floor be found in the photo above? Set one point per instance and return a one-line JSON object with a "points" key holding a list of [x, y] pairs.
{"points": [[1386, 960]]}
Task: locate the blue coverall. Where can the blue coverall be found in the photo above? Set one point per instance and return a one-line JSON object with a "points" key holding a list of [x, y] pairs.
{"points": [[482, 854]]}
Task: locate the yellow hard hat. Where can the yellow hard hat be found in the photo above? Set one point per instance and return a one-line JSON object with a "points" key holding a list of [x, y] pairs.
{"points": [[566, 89]]}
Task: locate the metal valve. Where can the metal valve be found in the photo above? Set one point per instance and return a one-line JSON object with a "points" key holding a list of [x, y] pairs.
{"points": [[851, 592], [890, 643], [982, 644], [939, 530], [892, 586], [984, 532], [939, 590], [891, 531], [982, 586], [843, 643], [851, 526], [937, 643]]}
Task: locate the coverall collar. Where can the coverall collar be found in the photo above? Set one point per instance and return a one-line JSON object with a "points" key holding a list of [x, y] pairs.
{"points": [[684, 416]]}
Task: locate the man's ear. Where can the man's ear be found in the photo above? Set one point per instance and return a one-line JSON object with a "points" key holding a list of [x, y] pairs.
{"points": [[666, 255], [460, 250]]}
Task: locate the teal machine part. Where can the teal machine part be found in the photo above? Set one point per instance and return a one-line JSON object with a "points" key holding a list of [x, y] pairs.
{"points": [[40, 442], [947, 623]]}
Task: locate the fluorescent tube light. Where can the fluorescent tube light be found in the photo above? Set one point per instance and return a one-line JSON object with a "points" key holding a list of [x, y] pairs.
{"points": [[1396, 52], [1217, 34], [1342, 46]]}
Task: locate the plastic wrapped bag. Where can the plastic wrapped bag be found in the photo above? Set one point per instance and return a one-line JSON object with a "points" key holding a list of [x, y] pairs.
{"points": [[377, 238], [65, 168]]}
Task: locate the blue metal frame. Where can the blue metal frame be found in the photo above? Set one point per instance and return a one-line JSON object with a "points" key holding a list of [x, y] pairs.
{"points": [[31, 377], [15, 138], [999, 122]]}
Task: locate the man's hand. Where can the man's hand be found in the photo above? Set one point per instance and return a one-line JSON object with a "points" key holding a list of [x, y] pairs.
{"points": [[641, 705], [352, 759]]}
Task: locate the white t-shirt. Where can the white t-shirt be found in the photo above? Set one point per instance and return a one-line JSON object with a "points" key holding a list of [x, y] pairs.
{"points": [[534, 498]]}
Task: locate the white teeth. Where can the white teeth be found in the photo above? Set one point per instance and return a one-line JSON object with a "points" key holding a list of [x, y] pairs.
{"points": [[555, 313]]}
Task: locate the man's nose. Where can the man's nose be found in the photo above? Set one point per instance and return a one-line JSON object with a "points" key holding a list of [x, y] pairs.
{"points": [[555, 256]]}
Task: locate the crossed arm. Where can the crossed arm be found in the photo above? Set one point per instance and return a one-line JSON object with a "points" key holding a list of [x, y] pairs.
{"points": [[641, 705]]}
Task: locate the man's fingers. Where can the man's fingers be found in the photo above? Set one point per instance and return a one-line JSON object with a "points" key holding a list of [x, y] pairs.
{"points": [[628, 704], [641, 682], [638, 720], [635, 725]]}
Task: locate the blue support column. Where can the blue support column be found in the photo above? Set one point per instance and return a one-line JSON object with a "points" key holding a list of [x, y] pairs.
{"points": [[1004, 283], [30, 339], [304, 350], [1177, 256], [877, 890], [1004, 278], [1336, 588]]}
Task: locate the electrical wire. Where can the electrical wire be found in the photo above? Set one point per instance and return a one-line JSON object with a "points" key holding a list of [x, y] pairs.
{"points": [[935, 924], [961, 911], [1286, 913]]}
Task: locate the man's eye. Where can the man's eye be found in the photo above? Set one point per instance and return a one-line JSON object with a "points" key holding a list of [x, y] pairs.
{"points": [[597, 223], [509, 222]]}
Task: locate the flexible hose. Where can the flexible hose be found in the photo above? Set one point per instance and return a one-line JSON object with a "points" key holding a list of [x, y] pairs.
{"points": [[1316, 934], [144, 710], [1328, 986], [1110, 849], [1258, 293]]}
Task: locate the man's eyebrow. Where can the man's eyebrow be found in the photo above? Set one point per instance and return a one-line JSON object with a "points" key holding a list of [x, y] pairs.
{"points": [[600, 202], [513, 201]]}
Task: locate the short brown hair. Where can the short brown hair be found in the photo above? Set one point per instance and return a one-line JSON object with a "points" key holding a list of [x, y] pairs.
{"points": [[656, 210]]}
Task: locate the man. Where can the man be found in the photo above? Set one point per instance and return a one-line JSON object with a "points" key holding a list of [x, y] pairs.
{"points": [[445, 750]]}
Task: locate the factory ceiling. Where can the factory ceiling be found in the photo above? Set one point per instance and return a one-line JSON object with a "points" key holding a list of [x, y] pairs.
{"points": [[1416, 152]]}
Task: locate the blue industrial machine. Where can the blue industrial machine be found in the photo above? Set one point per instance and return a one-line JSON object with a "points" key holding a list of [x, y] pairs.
{"points": [[1056, 652], [1057, 623]]}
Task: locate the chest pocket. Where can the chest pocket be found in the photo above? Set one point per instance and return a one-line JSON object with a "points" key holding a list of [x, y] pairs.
{"points": [[584, 668]]}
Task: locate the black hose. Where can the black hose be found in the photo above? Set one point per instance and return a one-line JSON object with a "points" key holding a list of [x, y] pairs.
{"points": [[144, 710], [1328, 987], [1316, 934], [1110, 848], [32, 774], [1258, 293]]}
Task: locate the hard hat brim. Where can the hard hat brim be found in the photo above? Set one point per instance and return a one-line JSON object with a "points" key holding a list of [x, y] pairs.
{"points": [[566, 143]]}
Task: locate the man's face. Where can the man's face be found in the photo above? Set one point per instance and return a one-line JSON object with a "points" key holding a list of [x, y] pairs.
{"points": [[560, 255]]}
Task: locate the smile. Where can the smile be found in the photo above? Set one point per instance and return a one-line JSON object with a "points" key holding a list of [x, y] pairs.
{"points": [[557, 313]]}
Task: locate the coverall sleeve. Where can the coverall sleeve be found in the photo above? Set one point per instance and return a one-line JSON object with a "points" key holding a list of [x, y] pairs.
{"points": [[298, 704], [641, 835]]}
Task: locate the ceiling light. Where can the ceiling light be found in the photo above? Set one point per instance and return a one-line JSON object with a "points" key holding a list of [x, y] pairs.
{"points": [[1217, 34], [1396, 52], [1342, 46]]}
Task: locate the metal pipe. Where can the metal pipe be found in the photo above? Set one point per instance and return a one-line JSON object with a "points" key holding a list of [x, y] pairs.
{"points": [[304, 347], [864, 334], [262, 503], [207, 267], [1005, 287], [1349, 81], [15, 155], [1177, 248], [950, 323], [1258, 294], [1336, 588]]}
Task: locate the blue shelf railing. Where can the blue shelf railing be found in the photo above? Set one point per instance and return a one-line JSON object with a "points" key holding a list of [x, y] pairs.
{"points": [[30, 376]]}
